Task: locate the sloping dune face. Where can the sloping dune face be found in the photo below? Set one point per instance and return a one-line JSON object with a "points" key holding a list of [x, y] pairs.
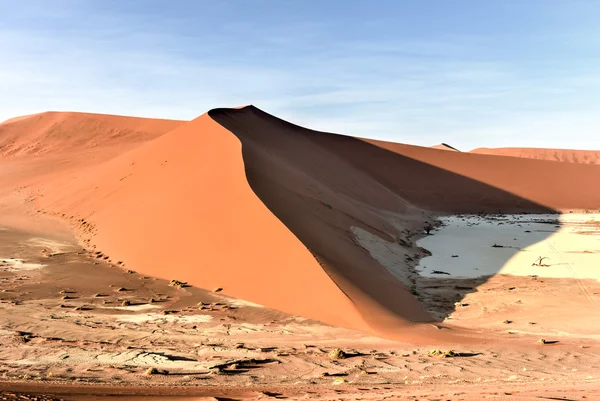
{"points": [[180, 207], [559, 155], [67, 132]]}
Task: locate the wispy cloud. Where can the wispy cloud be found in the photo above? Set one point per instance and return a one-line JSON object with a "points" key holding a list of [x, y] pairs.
{"points": [[422, 90]]}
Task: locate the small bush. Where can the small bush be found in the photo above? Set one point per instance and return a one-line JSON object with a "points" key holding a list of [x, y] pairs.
{"points": [[442, 354], [177, 284], [151, 371], [337, 353]]}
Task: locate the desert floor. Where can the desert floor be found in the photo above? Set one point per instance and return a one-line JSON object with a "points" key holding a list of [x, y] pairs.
{"points": [[75, 327]]}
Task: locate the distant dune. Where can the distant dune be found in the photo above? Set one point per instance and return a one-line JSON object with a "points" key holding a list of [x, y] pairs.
{"points": [[269, 211], [64, 132], [15, 119], [518, 184], [445, 146], [559, 155]]}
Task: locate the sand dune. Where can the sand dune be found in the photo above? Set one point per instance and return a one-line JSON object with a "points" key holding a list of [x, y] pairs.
{"points": [[68, 132], [445, 146], [47, 148], [559, 155], [179, 207], [269, 211]]}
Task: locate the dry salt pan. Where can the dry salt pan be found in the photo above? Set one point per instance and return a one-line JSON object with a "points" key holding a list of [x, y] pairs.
{"points": [[54, 246], [151, 317], [546, 245], [13, 265], [133, 308]]}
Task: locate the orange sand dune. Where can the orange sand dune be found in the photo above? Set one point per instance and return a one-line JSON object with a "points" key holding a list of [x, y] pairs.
{"points": [[68, 132], [270, 211], [445, 146], [559, 155], [44, 147], [179, 207]]}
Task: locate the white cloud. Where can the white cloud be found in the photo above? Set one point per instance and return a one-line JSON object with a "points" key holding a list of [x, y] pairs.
{"points": [[422, 92]]}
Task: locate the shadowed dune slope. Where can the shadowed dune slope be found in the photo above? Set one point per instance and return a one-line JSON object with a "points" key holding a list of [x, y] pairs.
{"points": [[68, 132], [559, 155], [323, 186], [320, 197], [180, 207]]}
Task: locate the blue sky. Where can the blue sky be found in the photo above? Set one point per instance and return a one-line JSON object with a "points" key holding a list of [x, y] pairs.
{"points": [[469, 73]]}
